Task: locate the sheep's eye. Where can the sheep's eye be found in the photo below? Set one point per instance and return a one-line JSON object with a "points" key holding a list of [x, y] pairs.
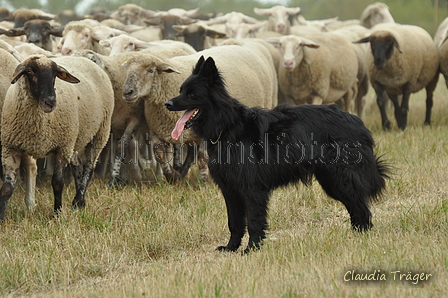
{"points": [[150, 70]]}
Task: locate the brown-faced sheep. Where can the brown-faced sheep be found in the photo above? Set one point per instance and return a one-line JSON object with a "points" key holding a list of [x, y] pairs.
{"points": [[43, 113], [403, 59], [322, 70]]}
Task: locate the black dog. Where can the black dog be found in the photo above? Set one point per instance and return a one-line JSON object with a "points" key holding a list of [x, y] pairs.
{"points": [[253, 151]]}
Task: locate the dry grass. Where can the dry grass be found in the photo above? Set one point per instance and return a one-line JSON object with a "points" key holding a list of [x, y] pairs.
{"points": [[158, 240]]}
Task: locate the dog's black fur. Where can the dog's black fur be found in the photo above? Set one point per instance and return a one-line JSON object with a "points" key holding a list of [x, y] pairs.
{"points": [[253, 151]]}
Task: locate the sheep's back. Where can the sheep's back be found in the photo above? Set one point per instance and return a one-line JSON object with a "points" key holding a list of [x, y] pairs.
{"points": [[92, 97], [248, 78]]}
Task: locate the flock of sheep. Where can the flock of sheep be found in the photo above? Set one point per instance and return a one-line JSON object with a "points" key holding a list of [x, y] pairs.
{"points": [[92, 90]]}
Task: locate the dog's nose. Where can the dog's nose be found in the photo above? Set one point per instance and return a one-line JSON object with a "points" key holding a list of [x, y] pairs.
{"points": [[168, 104]]}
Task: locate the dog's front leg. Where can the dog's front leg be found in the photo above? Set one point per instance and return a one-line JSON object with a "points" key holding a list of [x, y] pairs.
{"points": [[257, 204], [236, 213]]}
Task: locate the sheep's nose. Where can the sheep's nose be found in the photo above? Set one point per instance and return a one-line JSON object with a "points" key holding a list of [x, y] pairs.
{"points": [[66, 52], [288, 64], [280, 28]]}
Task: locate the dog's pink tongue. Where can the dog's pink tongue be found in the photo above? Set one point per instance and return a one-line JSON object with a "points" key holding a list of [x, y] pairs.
{"points": [[180, 125]]}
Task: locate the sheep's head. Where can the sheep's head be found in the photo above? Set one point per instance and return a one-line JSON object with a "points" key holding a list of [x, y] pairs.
{"points": [[382, 44], [141, 76], [291, 48], [39, 73], [279, 17]]}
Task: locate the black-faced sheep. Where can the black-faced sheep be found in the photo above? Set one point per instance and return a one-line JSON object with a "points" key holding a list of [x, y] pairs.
{"points": [[403, 59], [199, 35], [322, 70], [38, 32], [43, 113]]}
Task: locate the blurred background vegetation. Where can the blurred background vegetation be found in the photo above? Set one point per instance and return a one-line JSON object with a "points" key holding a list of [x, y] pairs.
{"points": [[425, 13]]}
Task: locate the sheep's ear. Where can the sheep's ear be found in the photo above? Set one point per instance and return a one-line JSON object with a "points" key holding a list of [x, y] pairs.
{"points": [[397, 46], [167, 68], [309, 43], [363, 40], [18, 73], [275, 41], [198, 66], [64, 75], [214, 34], [57, 30], [15, 32]]}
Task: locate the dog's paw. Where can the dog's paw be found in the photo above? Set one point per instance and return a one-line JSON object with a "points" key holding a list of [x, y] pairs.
{"points": [[225, 249]]}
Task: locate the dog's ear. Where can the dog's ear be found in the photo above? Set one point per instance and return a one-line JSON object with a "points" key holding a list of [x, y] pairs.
{"points": [[198, 66], [209, 70]]}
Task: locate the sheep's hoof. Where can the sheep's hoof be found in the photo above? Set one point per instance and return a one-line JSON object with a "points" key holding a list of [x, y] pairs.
{"points": [[387, 125]]}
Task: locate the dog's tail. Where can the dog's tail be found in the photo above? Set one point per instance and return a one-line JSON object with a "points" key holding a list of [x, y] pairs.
{"points": [[383, 172]]}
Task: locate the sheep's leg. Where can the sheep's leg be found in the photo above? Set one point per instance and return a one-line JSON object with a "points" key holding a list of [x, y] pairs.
{"points": [[30, 165], [82, 174], [402, 113], [161, 156], [123, 143], [104, 158], [11, 163], [317, 100], [57, 182], [203, 165], [381, 100], [363, 88], [348, 97], [429, 98], [192, 152]]}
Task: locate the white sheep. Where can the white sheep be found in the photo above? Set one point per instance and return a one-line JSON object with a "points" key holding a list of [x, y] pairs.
{"points": [[374, 14], [278, 17], [44, 114], [9, 64], [403, 59], [132, 14], [156, 80], [125, 43], [322, 70], [128, 117], [78, 35], [440, 39]]}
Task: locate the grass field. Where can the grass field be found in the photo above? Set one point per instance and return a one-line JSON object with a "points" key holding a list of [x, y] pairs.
{"points": [[159, 240]]}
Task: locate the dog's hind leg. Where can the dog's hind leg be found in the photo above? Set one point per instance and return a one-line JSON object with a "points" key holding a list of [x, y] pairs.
{"points": [[346, 186], [236, 213]]}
